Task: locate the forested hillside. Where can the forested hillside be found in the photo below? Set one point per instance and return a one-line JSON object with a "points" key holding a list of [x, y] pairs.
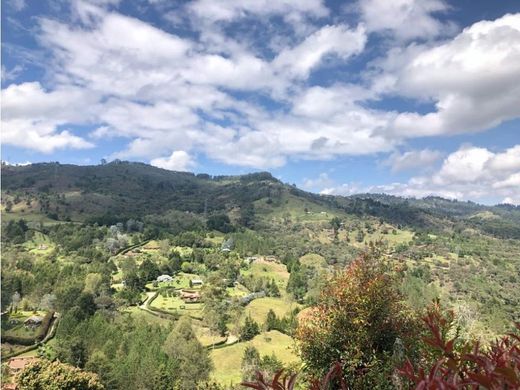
{"points": [[148, 278]]}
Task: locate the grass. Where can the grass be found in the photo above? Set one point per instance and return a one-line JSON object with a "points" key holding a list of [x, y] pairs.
{"points": [[227, 360], [271, 270], [237, 291], [176, 304], [259, 308], [205, 336], [313, 259], [142, 315], [19, 330]]}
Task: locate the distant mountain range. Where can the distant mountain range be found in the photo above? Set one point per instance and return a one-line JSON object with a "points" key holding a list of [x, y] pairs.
{"points": [[126, 189]]}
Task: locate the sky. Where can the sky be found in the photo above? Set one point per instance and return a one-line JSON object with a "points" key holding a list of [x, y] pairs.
{"points": [[405, 97]]}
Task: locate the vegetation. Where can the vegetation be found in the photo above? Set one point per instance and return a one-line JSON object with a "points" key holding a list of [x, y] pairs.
{"points": [[57, 376], [205, 281]]}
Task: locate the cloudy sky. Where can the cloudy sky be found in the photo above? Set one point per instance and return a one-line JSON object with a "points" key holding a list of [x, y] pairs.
{"points": [[408, 97]]}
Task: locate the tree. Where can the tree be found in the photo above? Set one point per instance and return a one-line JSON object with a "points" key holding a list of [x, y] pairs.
{"points": [[297, 284], [271, 321], [250, 363], [44, 374], [249, 330], [92, 283], [336, 224], [148, 270], [358, 319], [272, 289], [15, 300], [194, 361], [48, 302]]}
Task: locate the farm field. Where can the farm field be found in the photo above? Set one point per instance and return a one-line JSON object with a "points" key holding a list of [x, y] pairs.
{"points": [[227, 360]]}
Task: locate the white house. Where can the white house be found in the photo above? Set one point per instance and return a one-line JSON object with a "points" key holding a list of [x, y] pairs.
{"points": [[164, 278]]}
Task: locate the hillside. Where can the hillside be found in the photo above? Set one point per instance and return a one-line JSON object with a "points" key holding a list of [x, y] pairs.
{"points": [[90, 242], [108, 193]]}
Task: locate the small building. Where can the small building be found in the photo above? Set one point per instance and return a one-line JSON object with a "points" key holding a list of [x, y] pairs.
{"points": [[33, 321], [196, 282], [164, 278], [17, 364]]}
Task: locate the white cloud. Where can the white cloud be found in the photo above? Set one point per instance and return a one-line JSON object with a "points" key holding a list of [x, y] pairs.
{"points": [[468, 173], [413, 159], [179, 160], [31, 116], [473, 80], [511, 200], [256, 104], [12, 74], [405, 19], [322, 181], [17, 5], [223, 10], [338, 40]]}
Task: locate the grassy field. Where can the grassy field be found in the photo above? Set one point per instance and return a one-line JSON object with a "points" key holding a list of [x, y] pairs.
{"points": [[259, 308], [313, 259], [18, 329], [227, 360], [237, 291], [142, 315], [205, 336], [175, 304], [271, 270]]}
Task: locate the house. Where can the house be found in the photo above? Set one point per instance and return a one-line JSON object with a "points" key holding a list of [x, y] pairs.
{"points": [[164, 278], [190, 297], [17, 364], [196, 282], [33, 321]]}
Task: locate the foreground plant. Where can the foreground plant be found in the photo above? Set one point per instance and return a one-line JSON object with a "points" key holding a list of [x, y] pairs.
{"points": [[463, 365]]}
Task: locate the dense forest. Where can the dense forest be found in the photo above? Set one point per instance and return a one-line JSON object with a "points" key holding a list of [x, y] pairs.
{"points": [[127, 276]]}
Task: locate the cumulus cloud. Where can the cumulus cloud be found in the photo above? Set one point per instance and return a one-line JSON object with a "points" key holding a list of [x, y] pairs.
{"points": [[322, 181], [258, 104], [32, 116], [412, 159], [179, 160], [469, 173], [405, 19], [473, 80], [222, 10]]}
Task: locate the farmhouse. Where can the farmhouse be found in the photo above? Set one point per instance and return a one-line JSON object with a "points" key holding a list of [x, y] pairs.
{"points": [[164, 278], [190, 297], [33, 321]]}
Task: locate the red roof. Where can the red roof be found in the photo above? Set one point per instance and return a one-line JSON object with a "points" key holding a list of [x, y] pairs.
{"points": [[18, 363]]}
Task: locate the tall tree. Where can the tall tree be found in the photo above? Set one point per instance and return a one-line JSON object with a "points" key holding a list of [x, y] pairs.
{"points": [[358, 319], [194, 361]]}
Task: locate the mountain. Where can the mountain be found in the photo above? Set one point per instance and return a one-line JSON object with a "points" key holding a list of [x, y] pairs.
{"points": [[119, 190]]}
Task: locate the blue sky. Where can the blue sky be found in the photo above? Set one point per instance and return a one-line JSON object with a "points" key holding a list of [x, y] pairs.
{"points": [[408, 97]]}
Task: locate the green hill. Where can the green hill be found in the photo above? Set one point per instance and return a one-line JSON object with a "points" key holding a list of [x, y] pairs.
{"points": [[119, 190]]}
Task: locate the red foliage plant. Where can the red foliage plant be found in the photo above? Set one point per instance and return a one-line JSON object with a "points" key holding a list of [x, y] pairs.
{"points": [[467, 365], [279, 382], [446, 363]]}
